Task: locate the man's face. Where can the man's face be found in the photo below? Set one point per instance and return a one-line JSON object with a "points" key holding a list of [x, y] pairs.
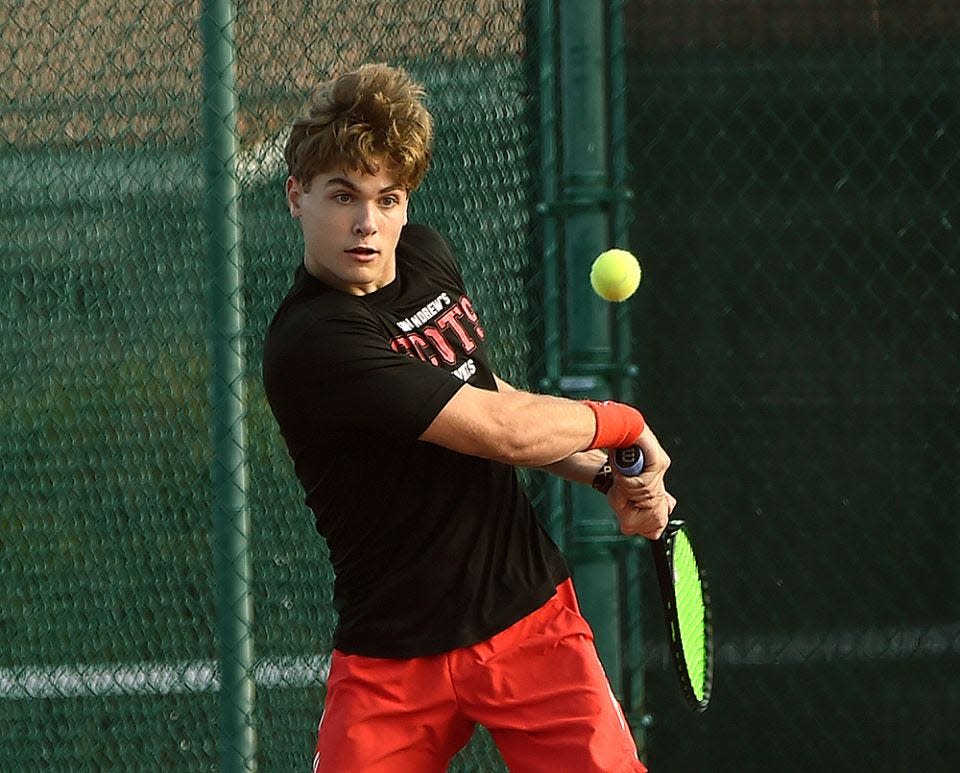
{"points": [[351, 225]]}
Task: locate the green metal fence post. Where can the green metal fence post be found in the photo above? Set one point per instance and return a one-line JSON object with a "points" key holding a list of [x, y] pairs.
{"points": [[229, 471], [628, 384], [584, 203], [552, 334]]}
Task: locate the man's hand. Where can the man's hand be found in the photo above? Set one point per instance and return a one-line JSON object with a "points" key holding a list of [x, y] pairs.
{"points": [[641, 503]]}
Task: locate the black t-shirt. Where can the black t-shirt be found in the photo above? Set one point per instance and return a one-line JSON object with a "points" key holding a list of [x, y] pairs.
{"points": [[432, 549]]}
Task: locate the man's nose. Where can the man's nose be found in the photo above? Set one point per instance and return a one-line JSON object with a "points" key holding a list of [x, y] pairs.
{"points": [[366, 222]]}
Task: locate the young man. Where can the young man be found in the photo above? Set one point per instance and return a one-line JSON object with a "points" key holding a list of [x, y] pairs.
{"points": [[455, 608]]}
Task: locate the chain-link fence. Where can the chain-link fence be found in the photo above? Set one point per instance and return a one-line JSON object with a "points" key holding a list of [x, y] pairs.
{"points": [[795, 174], [109, 653], [797, 179]]}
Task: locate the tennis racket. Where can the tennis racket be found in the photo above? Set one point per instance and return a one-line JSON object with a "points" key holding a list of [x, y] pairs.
{"points": [[686, 600]]}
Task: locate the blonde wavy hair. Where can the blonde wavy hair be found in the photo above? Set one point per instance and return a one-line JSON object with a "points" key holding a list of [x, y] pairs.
{"points": [[361, 119]]}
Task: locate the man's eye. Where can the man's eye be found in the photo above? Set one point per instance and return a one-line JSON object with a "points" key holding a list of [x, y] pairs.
{"points": [[343, 198], [389, 201]]}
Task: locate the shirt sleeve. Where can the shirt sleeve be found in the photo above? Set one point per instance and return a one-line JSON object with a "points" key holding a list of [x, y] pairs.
{"points": [[346, 368]]}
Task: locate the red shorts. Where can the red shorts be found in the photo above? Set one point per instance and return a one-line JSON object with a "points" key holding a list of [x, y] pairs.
{"points": [[538, 687]]}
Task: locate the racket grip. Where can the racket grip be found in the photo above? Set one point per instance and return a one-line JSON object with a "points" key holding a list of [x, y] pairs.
{"points": [[628, 461]]}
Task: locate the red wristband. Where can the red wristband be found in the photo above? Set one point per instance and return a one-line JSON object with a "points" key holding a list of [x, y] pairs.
{"points": [[618, 425]]}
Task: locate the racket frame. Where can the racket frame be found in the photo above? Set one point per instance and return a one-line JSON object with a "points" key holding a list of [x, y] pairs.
{"points": [[663, 553]]}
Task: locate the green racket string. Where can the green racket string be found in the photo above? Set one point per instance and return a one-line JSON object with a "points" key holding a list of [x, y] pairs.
{"points": [[690, 612]]}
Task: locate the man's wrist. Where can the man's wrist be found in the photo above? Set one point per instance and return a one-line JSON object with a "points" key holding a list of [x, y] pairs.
{"points": [[617, 425]]}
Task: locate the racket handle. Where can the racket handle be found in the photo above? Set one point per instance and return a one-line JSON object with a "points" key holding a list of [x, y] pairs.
{"points": [[628, 461]]}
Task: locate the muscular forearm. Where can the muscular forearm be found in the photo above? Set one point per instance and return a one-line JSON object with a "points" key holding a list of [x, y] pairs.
{"points": [[530, 430], [581, 467], [514, 427]]}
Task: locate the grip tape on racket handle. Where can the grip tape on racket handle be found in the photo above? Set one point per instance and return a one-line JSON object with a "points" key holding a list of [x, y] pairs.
{"points": [[628, 461]]}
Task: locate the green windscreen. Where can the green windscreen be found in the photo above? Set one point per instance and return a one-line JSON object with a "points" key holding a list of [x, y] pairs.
{"points": [[690, 612]]}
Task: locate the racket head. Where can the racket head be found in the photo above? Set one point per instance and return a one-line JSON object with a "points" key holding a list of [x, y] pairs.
{"points": [[686, 601]]}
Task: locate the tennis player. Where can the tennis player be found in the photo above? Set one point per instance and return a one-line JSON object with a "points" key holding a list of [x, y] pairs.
{"points": [[455, 608]]}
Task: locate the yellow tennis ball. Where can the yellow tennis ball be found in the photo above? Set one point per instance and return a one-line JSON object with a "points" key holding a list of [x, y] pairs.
{"points": [[615, 275]]}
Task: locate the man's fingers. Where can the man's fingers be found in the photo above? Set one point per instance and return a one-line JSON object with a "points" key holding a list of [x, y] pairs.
{"points": [[646, 521]]}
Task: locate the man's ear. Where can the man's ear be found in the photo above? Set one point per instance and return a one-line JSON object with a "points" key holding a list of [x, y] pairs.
{"points": [[294, 194]]}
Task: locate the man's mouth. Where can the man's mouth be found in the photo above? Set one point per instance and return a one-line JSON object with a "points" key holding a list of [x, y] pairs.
{"points": [[362, 251]]}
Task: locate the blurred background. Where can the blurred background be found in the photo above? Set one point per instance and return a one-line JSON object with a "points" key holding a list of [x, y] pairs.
{"points": [[789, 179]]}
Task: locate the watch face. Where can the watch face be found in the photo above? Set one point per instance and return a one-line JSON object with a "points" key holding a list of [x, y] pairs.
{"points": [[603, 481]]}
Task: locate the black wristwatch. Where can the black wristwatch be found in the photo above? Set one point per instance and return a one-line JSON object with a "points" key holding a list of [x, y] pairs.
{"points": [[603, 480]]}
